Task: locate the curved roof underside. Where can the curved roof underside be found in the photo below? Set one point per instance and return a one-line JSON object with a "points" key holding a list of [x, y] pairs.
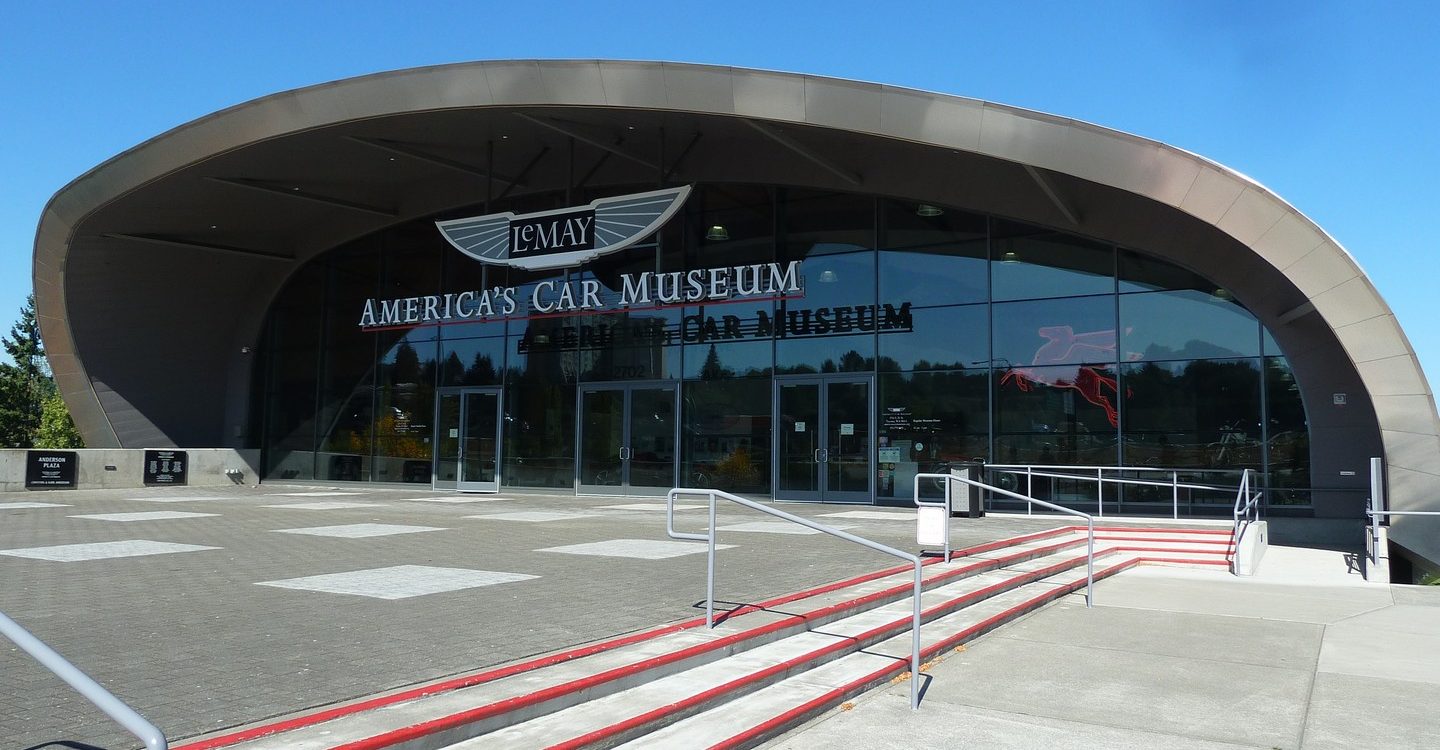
{"points": [[206, 221]]}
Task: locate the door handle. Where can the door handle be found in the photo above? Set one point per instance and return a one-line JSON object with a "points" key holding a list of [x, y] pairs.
{"points": [[624, 454], [817, 455]]}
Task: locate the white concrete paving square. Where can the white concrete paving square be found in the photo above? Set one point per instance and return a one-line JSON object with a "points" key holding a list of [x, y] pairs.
{"points": [[339, 505], [533, 516], [874, 515], [326, 493], [399, 581], [103, 550], [652, 506], [360, 530], [452, 499], [641, 549], [17, 506], [176, 498], [779, 527], [143, 515]]}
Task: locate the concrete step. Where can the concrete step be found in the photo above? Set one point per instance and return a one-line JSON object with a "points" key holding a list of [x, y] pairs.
{"points": [[616, 691], [477, 703], [621, 716], [777, 708]]}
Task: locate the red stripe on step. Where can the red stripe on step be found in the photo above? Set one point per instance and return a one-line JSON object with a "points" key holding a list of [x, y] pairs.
{"points": [[1154, 530], [479, 713], [331, 714], [1159, 539]]}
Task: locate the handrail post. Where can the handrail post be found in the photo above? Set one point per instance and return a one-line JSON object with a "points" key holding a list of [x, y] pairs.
{"points": [[915, 645], [949, 508], [1090, 565], [1029, 489], [1175, 495], [1100, 492], [710, 570]]}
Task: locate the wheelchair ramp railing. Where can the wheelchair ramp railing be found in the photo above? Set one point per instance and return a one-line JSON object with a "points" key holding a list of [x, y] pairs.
{"points": [[103, 699], [950, 479], [709, 538]]}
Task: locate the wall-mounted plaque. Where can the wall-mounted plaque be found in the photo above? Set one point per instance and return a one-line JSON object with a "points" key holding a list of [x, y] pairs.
{"points": [[165, 467], [50, 470]]}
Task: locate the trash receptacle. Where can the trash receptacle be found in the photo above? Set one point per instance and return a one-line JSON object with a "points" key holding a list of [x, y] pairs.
{"points": [[965, 500]]}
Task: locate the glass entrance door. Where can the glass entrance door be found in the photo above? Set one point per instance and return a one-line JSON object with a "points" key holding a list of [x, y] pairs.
{"points": [[477, 442], [628, 438], [823, 439]]}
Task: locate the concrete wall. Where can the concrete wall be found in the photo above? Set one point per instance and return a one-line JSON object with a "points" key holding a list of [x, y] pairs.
{"points": [[207, 468]]}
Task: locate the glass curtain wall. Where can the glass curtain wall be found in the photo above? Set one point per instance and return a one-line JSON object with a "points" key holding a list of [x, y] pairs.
{"points": [[987, 339]]}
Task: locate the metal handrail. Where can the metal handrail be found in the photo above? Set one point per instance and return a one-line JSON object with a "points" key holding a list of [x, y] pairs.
{"points": [[709, 537], [1375, 521], [92, 691], [1089, 521], [1099, 478], [1247, 511]]}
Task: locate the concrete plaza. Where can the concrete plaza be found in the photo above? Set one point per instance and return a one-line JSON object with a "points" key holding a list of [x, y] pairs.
{"points": [[207, 609]]}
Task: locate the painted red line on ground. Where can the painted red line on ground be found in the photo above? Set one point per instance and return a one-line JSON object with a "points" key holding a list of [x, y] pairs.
{"points": [[331, 714]]}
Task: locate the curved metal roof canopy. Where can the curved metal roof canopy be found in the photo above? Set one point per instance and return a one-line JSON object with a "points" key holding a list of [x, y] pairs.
{"points": [[153, 271]]}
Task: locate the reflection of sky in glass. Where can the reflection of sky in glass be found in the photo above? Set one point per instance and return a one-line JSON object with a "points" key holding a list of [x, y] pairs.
{"points": [[948, 337], [1185, 325], [933, 277], [1056, 331], [825, 354]]}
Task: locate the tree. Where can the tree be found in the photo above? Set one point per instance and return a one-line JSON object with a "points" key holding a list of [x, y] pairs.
{"points": [[26, 386], [57, 429]]}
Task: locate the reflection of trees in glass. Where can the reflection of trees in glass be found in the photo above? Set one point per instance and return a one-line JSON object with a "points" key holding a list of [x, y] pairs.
{"points": [[481, 371], [712, 369], [406, 365], [1289, 435], [726, 436], [851, 361], [1203, 413]]}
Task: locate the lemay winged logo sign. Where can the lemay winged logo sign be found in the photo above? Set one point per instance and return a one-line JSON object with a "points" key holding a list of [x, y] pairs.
{"points": [[567, 236]]}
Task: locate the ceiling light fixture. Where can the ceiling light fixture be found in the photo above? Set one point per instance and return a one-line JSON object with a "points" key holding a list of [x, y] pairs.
{"points": [[828, 277], [717, 232], [1010, 256], [925, 209]]}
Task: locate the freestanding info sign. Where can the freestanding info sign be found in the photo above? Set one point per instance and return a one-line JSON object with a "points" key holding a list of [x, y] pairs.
{"points": [[165, 467], [50, 470]]}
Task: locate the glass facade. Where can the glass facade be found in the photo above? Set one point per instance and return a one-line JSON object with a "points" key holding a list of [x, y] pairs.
{"points": [[918, 337]]}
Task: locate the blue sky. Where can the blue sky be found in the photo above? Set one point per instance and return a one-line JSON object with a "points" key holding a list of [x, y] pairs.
{"points": [[1332, 105]]}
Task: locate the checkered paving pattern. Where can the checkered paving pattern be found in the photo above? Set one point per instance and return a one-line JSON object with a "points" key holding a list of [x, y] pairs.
{"points": [[204, 621]]}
